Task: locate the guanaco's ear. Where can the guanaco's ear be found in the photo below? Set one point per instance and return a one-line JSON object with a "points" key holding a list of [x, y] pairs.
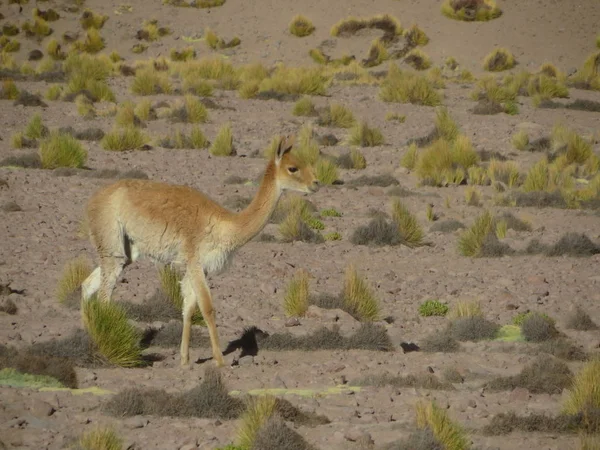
{"points": [[285, 145]]}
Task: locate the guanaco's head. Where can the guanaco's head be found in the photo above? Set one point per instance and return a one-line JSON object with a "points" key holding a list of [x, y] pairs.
{"points": [[292, 174]]}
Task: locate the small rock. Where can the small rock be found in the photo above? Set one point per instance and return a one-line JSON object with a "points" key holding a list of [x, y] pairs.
{"points": [[355, 435], [472, 403], [292, 322], [136, 422], [511, 307], [519, 395], [40, 408]]}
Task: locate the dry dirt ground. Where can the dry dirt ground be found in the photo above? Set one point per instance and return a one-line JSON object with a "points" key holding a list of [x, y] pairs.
{"points": [[41, 237]]}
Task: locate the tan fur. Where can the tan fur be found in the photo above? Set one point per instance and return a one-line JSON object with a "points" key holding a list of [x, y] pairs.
{"points": [[175, 224]]}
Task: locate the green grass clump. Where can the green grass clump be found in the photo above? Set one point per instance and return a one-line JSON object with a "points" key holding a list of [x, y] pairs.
{"points": [[215, 42], [408, 225], [471, 240], [538, 177], [116, 339], [301, 26], [498, 60], [449, 434], [396, 117], [8, 45], [62, 150], [415, 36], [433, 308], [333, 236], [468, 10], [223, 143], [337, 115], [407, 87], [14, 378], [122, 139], [358, 297], [304, 107], [74, 273], [363, 135], [326, 171], [506, 172], [543, 87], [39, 28], [331, 212], [100, 439], [295, 301], [55, 51]]}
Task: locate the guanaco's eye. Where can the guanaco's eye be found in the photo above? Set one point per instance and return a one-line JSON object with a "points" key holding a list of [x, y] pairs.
{"points": [[292, 169]]}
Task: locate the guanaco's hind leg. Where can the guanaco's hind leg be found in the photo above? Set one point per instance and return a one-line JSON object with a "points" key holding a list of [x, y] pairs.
{"points": [[195, 287]]}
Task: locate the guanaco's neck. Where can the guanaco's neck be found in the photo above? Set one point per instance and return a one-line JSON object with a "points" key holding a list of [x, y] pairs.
{"points": [[249, 222]]}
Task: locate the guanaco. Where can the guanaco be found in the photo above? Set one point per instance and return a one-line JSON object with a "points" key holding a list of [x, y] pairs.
{"points": [[173, 224]]}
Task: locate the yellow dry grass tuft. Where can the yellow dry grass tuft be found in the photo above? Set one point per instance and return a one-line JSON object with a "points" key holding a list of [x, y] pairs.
{"points": [[471, 10], [62, 150], [449, 434], [406, 87], [258, 410], [466, 309], [359, 297], [471, 240], [127, 138], [100, 439], [408, 225], [301, 26], [326, 171], [295, 301], [223, 143], [74, 273], [498, 60], [584, 395]]}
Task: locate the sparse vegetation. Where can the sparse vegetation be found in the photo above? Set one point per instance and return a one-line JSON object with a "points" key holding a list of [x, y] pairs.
{"points": [[471, 10], [448, 433], [100, 439], [123, 139], [433, 308], [301, 26], [406, 87], [62, 150], [498, 60], [358, 296], [223, 142], [363, 135], [74, 273], [295, 302], [336, 115]]}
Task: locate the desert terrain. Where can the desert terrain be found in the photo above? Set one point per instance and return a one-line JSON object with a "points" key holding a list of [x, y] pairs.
{"points": [[461, 186]]}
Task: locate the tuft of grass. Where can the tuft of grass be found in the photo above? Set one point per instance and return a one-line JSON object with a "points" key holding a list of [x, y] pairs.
{"points": [[433, 308], [498, 60], [406, 87], [117, 340], [538, 177], [15, 378], [408, 226], [470, 10], [471, 241], [90, 19], [358, 297], [223, 142], [336, 115], [39, 28], [538, 327], [92, 43], [304, 107], [414, 37], [170, 285], [363, 135], [100, 439], [295, 81], [295, 301], [123, 139], [418, 59], [9, 90], [506, 172], [301, 26], [466, 309], [581, 320], [74, 273], [520, 140], [352, 160], [584, 394], [333, 236], [449, 434], [35, 128], [215, 42], [85, 107], [62, 150], [187, 54], [326, 171], [148, 81], [258, 411], [396, 117], [295, 227], [55, 51]]}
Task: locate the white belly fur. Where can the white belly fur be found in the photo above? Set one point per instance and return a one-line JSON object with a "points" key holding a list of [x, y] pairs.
{"points": [[216, 260]]}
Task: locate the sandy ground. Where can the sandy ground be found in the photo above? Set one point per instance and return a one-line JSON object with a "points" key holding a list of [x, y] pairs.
{"points": [[42, 237]]}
